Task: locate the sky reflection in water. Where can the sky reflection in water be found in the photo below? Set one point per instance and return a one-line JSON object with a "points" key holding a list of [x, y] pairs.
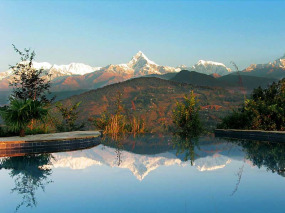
{"points": [[148, 174]]}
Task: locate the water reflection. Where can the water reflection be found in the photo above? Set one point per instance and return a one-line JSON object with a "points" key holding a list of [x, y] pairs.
{"points": [[186, 146], [205, 157], [268, 154], [29, 176]]}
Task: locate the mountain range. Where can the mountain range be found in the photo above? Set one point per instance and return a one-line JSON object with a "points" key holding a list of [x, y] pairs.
{"points": [[78, 76], [275, 69]]}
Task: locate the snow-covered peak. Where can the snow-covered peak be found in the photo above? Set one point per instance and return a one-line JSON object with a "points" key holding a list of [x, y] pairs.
{"points": [[5, 74], [42, 65], [213, 63], [140, 59], [57, 70], [210, 67], [75, 68], [280, 62]]}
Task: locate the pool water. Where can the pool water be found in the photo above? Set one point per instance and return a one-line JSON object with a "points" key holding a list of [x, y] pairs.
{"points": [[151, 173]]}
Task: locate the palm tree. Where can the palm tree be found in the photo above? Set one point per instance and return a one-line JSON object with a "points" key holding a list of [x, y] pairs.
{"points": [[20, 113]]}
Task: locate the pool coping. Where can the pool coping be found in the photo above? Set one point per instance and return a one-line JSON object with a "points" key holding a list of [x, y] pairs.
{"points": [[48, 140], [261, 135]]}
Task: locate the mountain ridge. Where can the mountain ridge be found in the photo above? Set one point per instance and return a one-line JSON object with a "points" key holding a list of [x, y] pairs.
{"points": [[78, 76]]}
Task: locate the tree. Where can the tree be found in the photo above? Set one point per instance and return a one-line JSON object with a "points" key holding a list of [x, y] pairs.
{"points": [[186, 118], [29, 82], [70, 116], [21, 112], [264, 110]]}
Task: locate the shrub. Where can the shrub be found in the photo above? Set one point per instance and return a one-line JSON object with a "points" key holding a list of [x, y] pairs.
{"points": [[186, 117], [69, 118], [20, 113], [119, 122], [265, 110]]}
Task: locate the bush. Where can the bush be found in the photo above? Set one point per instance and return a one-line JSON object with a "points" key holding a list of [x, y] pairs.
{"points": [[236, 120], [118, 122], [265, 110], [69, 118], [19, 114], [186, 118]]}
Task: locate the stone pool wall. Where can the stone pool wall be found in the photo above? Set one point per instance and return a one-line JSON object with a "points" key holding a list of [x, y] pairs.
{"points": [[271, 136], [16, 148]]}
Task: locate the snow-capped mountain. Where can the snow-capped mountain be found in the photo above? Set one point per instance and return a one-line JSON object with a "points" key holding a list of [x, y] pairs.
{"points": [[280, 62], [6, 74], [139, 65], [58, 70], [275, 69], [210, 67]]}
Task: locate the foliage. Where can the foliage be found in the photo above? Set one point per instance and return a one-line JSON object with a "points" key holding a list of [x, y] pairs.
{"points": [[265, 154], [236, 120], [265, 110], [29, 96], [186, 117], [6, 132], [29, 82], [20, 113], [29, 176], [69, 118], [119, 122], [154, 100], [186, 146]]}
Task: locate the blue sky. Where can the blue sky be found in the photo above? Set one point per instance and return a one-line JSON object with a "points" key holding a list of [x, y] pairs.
{"points": [[99, 33]]}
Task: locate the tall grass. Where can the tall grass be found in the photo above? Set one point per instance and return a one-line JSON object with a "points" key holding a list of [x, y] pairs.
{"points": [[119, 122]]}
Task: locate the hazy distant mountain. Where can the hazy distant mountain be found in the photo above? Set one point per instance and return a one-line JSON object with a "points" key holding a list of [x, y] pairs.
{"points": [[274, 69], [166, 76], [248, 82], [195, 78], [227, 81]]}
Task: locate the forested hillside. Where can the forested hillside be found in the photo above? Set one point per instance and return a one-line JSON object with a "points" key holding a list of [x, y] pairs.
{"points": [[154, 99]]}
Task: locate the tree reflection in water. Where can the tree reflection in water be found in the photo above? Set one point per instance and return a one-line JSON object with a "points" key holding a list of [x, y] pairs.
{"points": [[268, 154], [116, 140], [29, 175], [186, 146]]}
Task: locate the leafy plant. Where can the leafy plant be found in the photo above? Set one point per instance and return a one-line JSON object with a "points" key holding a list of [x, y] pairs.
{"points": [[69, 118], [29, 82], [265, 110], [20, 113], [186, 117]]}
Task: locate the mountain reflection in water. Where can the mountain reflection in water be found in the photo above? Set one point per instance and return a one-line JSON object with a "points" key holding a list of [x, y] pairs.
{"points": [[143, 155]]}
